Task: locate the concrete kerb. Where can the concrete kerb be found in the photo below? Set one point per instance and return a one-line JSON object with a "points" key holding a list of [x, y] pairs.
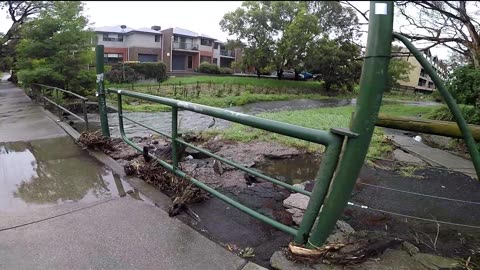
{"points": [[160, 200]]}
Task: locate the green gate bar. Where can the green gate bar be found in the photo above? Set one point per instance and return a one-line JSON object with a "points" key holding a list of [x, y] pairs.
{"points": [[102, 103], [451, 103], [372, 85]]}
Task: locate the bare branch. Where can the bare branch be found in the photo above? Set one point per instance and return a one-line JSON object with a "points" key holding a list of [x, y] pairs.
{"points": [[364, 14]]}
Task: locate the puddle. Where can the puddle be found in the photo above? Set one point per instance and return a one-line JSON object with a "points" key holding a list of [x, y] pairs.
{"points": [[53, 171], [294, 170]]}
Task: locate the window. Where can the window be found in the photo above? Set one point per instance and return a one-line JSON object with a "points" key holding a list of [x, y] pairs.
{"points": [[111, 58], [112, 37], [157, 38], [422, 82], [215, 61], [205, 59], [206, 42], [216, 46]]}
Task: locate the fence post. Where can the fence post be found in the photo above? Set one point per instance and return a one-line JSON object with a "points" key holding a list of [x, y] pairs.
{"points": [[85, 117], [102, 104], [372, 84], [174, 137]]}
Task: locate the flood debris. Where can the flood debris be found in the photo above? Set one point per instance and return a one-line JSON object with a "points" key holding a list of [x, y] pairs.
{"points": [[179, 189], [95, 141]]}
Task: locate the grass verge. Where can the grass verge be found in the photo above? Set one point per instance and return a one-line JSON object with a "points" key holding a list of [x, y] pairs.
{"points": [[322, 118]]}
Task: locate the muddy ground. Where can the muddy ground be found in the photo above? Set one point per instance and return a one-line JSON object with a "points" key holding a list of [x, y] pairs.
{"points": [[235, 230]]}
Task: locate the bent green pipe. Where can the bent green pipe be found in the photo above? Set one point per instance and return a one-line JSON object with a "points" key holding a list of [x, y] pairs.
{"points": [[451, 103]]}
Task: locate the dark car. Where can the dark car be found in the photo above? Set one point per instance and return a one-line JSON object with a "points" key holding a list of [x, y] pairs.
{"points": [[307, 75]]}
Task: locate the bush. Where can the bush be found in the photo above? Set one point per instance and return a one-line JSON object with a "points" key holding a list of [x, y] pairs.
{"points": [[225, 70], [208, 68], [465, 85], [470, 113], [136, 71]]}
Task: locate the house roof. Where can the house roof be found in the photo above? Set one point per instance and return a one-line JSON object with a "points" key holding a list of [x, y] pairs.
{"points": [[184, 32], [206, 36], [127, 30]]}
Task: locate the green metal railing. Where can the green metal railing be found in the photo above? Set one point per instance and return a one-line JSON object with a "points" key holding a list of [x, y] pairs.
{"points": [[332, 140], [43, 96], [346, 149]]}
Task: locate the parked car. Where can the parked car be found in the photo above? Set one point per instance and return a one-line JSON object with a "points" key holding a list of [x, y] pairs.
{"points": [[307, 75], [290, 74]]}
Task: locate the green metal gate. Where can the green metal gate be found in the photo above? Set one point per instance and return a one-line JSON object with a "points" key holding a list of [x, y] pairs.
{"points": [[345, 148]]}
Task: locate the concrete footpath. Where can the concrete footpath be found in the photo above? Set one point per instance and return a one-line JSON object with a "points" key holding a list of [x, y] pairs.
{"points": [[61, 209], [434, 156]]}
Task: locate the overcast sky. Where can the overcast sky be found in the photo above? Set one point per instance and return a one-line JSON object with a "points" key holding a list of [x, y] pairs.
{"points": [[200, 17]]}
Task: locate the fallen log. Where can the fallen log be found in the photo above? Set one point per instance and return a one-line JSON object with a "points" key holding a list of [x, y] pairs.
{"points": [[435, 127]]}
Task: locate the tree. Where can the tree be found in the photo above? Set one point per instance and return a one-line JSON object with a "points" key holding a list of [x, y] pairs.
{"points": [[56, 48], [335, 63], [453, 24], [279, 33], [398, 69], [19, 12], [250, 24]]}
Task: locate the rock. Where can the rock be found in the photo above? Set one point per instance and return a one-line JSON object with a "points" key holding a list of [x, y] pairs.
{"points": [[344, 227], [296, 200], [195, 154], [402, 156], [410, 248], [341, 233], [301, 185], [297, 215], [434, 262]]}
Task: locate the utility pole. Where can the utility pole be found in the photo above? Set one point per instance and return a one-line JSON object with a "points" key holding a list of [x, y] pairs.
{"points": [[102, 104]]}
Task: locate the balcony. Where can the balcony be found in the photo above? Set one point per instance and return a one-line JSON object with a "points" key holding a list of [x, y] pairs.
{"points": [[227, 53], [185, 46]]}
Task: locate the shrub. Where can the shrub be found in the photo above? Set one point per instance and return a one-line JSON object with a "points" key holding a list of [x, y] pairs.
{"points": [[470, 113], [225, 70], [208, 68], [465, 85], [136, 71]]}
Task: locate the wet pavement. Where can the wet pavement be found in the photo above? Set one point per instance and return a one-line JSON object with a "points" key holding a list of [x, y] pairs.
{"points": [[61, 209], [49, 172]]}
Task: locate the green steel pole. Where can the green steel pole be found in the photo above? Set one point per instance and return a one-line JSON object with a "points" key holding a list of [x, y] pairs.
{"points": [[102, 104], [372, 84], [322, 183], [174, 138], [451, 103]]}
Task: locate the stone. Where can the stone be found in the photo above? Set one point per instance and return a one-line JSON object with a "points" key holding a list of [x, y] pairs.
{"points": [[253, 266], [301, 185], [434, 262], [344, 227], [296, 200], [410, 248], [297, 215], [402, 156]]}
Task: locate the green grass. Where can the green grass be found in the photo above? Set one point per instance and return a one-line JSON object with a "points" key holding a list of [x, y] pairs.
{"points": [[233, 80], [322, 118]]}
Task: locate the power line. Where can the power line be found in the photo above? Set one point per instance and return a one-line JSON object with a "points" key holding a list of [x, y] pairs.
{"points": [[419, 194], [412, 217]]}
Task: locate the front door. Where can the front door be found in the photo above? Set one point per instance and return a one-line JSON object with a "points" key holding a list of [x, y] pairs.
{"points": [[190, 62]]}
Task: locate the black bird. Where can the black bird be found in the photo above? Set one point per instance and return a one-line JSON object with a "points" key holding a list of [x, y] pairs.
{"points": [[212, 123], [145, 154]]}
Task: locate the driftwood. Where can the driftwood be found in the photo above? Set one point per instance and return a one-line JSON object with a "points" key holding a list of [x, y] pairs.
{"points": [[435, 127]]}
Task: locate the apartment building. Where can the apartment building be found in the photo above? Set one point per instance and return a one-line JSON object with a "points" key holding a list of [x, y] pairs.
{"points": [[180, 49], [418, 79], [123, 43], [184, 50]]}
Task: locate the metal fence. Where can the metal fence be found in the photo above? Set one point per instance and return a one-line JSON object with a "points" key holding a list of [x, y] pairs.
{"points": [[346, 149], [46, 93]]}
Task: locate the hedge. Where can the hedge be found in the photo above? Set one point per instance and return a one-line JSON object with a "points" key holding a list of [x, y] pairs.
{"points": [[136, 71]]}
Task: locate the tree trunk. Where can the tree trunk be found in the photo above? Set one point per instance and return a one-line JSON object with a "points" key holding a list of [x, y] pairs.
{"points": [[258, 73], [280, 73], [296, 75]]}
